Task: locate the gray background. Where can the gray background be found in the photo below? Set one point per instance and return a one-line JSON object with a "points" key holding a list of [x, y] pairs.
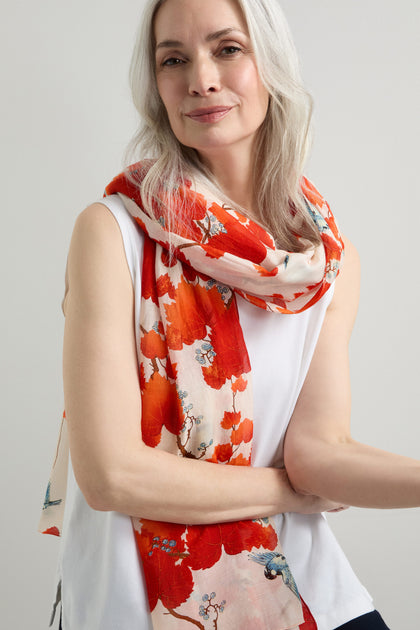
{"points": [[66, 117]]}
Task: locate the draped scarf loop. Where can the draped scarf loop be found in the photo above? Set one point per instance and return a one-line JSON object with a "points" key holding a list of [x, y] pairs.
{"points": [[195, 380]]}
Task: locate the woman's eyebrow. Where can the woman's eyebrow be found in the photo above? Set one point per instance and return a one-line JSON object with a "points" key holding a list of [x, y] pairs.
{"points": [[172, 43]]}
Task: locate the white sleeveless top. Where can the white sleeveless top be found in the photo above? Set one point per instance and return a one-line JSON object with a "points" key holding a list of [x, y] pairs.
{"points": [[102, 582]]}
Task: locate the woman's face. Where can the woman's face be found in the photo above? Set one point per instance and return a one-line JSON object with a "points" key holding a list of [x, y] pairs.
{"points": [[206, 75]]}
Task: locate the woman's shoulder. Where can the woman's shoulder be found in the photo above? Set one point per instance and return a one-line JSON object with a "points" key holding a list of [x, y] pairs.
{"points": [[108, 220], [96, 237], [96, 259], [93, 224]]}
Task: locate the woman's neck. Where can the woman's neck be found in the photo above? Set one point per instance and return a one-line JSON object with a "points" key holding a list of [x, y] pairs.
{"points": [[234, 174]]}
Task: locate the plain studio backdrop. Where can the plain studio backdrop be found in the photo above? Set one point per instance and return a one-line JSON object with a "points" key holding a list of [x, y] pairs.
{"points": [[66, 118]]}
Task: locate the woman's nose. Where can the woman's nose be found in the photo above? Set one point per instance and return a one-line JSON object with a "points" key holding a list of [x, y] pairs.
{"points": [[203, 77]]}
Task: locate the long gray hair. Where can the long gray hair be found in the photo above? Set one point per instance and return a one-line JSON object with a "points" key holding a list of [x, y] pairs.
{"points": [[282, 142]]}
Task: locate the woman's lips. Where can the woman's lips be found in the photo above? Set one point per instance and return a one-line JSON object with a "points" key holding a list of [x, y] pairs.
{"points": [[208, 114]]}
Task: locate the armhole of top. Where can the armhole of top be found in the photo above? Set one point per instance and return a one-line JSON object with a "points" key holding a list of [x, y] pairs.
{"points": [[314, 327], [132, 236], [133, 240]]}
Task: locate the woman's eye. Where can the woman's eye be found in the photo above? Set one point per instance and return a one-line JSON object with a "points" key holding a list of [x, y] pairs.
{"points": [[172, 61], [231, 50]]}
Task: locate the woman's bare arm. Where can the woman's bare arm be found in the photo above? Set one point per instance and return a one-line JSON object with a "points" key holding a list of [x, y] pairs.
{"points": [[320, 455], [113, 467]]}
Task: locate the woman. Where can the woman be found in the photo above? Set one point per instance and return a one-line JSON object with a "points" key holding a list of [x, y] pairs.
{"points": [[226, 121]]}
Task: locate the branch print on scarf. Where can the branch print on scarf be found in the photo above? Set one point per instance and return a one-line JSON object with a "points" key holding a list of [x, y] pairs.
{"points": [[189, 340], [171, 553]]}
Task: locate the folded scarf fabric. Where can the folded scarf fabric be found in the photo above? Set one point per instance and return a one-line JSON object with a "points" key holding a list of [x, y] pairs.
{"points": [[195, 380]]}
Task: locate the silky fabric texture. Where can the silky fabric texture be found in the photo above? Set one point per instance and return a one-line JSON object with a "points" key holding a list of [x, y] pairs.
{"points": [[197, 401], [102, 584]]}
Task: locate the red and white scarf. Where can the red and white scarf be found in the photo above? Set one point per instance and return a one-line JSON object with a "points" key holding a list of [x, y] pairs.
{"points": [[195, 380]]}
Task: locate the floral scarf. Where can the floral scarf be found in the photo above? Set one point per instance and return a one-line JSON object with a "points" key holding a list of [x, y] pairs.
{"points": [[195, 380]]}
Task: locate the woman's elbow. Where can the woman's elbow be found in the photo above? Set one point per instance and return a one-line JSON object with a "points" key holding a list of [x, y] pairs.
{"points": [[310, 463], [98, 500], [304, 457], [298, 467], [97, 487]]}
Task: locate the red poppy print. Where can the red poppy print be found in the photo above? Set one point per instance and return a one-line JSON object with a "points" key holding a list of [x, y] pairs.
{"points": [[227, 235], [190, 312], [153, 346], [311, 192], [231, 357], [221, 454], [239, 385], [165, 287], [195, 212], [240, 460], [148, 280], [160, 408], [205, 542], [329, 244], [162, 550], [243, 432], [230, 418], [334, 228]]}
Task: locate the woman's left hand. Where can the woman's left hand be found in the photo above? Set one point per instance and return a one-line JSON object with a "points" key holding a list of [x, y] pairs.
{"points": [[320, 455]]}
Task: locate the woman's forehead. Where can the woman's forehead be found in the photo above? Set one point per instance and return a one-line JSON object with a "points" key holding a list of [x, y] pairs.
{"points": [[180, 19]]}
